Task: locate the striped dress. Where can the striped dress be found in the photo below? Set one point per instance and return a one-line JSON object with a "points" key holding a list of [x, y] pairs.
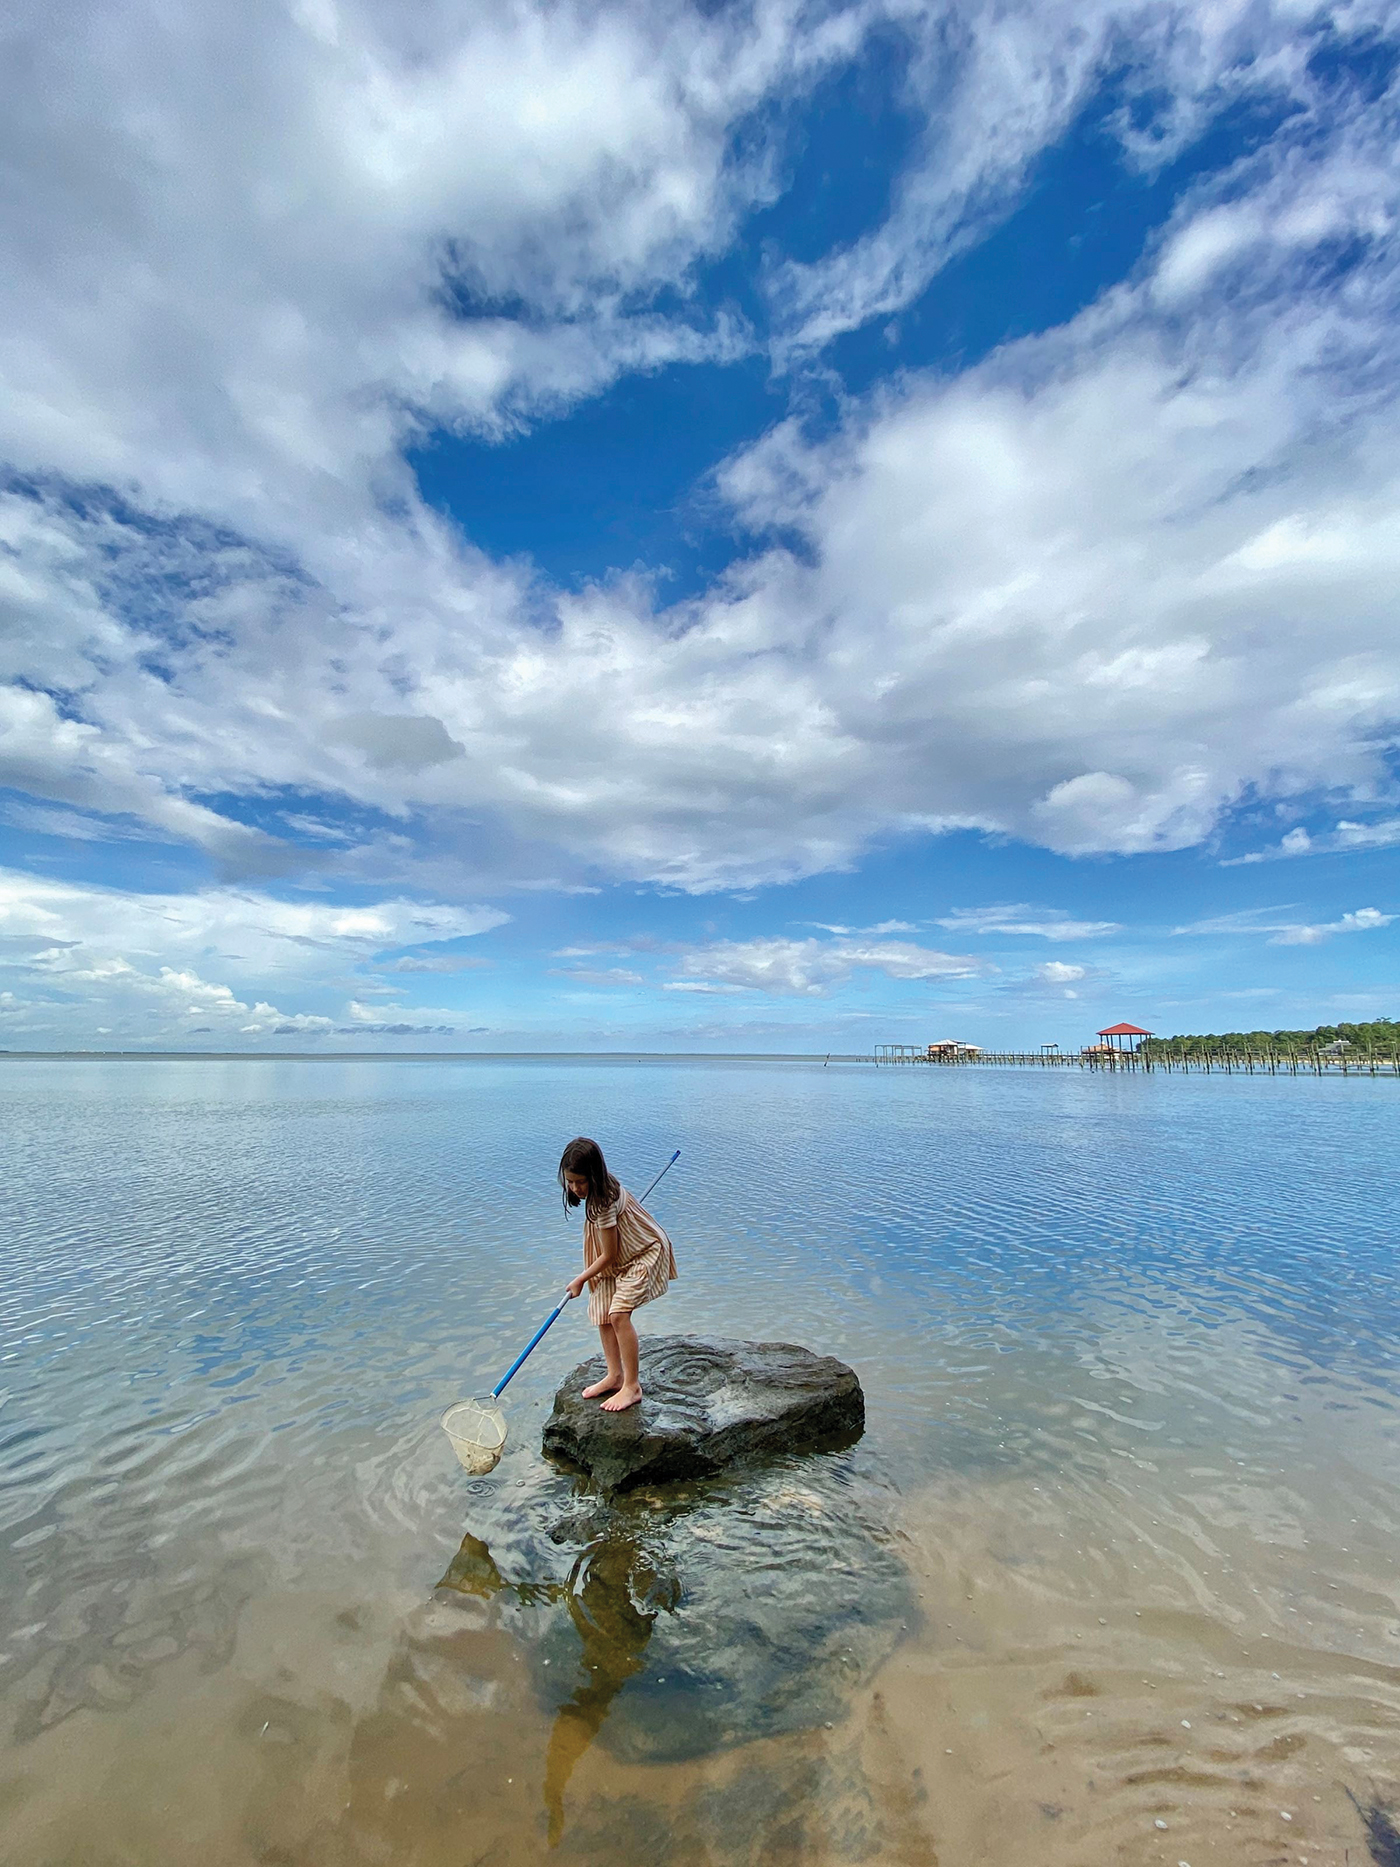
{"points": [[645, 1261]]}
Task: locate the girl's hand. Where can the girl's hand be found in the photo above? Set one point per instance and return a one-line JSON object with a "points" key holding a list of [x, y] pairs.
{"points": [[575, 1286]]}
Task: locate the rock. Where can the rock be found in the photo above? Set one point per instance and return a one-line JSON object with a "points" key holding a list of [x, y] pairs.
{"points": [[688, 1618], [706, 1406]]}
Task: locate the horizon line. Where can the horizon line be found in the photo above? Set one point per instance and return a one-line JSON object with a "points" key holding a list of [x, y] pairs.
{"points": [[424, 1056]]}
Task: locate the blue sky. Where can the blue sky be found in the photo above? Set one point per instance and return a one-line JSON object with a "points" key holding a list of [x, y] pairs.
{"points": [[776, 527]]}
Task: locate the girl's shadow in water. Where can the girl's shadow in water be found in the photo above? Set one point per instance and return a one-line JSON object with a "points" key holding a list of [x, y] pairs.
{"points": [[613, 1594]]}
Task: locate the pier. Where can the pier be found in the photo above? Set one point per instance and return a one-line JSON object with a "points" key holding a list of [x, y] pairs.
{"points": [[1207, 1063]]}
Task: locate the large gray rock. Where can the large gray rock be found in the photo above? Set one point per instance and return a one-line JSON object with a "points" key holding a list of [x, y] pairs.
{"points": [[705, 1406]]}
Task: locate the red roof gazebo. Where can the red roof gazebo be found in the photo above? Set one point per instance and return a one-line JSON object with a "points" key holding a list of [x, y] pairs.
{"points": [[1119, 1036]]}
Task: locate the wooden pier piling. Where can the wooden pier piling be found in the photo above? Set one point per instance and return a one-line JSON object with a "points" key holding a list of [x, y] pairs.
{"points": [[1200, 1063]]}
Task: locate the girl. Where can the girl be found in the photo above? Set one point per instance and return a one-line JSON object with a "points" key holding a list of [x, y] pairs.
{"points": [[627, 1261]]}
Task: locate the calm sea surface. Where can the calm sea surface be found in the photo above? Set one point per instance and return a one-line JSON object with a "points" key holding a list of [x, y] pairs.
{"points": [[1111, 1578]]}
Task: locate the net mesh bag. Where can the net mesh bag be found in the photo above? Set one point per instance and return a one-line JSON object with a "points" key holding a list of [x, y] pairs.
{"points": [[477, 1429]]}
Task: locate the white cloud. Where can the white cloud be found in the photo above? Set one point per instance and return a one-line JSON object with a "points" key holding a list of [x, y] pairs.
{"points": [[1057, 972], [1377, 835], [1381, 833], [622, 943], [991, 87], [1053, 616], [880, 927], [407, 741], [812, 967], [234, 925], [593, 975], [405, 1030], [141, 963], [1053, 979], [370, 1018], [52, 755], [161, 1004], [431, 962], [1021, 918], [49, 820], [239, 295], [1091, 593], [1202, 246], [1246, 921], [1288, 932], [1363, 920]]}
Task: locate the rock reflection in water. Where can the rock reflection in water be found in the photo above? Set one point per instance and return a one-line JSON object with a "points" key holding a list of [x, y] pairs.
{"points": [[614, 1626], [731, 1610], [613, 1595]]}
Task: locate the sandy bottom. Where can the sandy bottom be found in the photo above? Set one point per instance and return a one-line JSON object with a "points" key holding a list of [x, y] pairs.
{"points": [[1216, 1687]]}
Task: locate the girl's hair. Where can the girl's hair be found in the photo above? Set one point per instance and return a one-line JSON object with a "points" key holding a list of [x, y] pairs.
{"points": [[584, 1158]]}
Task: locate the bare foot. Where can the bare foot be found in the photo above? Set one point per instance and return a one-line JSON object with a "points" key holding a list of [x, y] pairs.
{"points": [[624, 1398], [607, 1385]]}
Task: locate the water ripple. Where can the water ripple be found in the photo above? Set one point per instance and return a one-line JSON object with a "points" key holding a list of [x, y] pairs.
{"points": [[1131, 1351]]}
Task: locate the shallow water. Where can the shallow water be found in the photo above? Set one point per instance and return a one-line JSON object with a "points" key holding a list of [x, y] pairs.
{"points": [[1112, 1577]]}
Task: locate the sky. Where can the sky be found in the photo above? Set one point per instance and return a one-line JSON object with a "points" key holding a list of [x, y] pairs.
{"points": [[754, 527]]}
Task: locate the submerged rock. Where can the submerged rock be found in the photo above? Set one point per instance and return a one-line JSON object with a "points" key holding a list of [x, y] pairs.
{"points": [[686, 1619], [706, 1406]]}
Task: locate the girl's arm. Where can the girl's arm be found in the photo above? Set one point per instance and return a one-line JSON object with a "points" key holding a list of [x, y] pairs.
{"points": [[599, 1266]]}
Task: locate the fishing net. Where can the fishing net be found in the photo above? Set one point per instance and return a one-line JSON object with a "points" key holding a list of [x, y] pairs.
{"points": [[477, 1429]]}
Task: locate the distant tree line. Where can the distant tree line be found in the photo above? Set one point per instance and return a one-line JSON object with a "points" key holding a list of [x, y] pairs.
{"points": [[1380, 1034]]}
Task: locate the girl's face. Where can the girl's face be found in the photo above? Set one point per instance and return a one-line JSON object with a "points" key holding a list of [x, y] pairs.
{"points": [[577, 1185]]}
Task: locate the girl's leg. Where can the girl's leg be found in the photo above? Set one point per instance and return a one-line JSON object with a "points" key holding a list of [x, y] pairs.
{"points": [[630, 1392], [613, 1379]]}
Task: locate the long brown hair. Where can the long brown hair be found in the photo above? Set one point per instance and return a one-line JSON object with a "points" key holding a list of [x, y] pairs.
{"points": [[584, 1158]]}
